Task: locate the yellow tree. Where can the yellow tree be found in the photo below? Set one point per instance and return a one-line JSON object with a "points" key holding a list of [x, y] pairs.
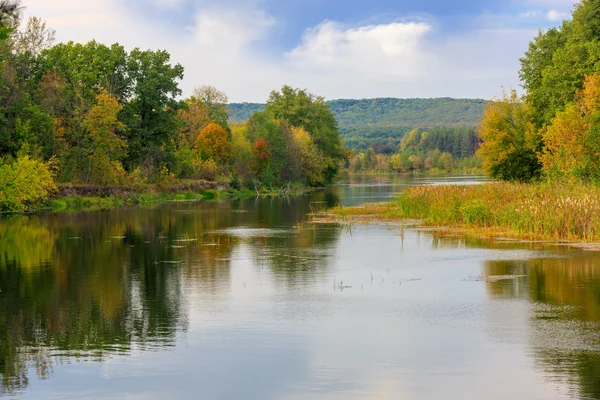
{"points": [[509, 140], [214, 143], [106, 146], [573, 139]]}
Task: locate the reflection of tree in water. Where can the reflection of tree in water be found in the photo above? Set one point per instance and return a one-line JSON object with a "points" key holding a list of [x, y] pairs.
{"points": [[90, 285], [98, 283], [565, 320]]}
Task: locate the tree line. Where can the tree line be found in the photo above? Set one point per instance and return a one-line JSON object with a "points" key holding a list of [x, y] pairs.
{"points": [[553, 131], [384, 121], [101, 115], [440, 149]]}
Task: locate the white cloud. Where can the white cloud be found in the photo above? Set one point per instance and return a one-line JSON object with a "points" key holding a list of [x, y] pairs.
{"points": [[554, 15], [393, 49], [397, 59]]}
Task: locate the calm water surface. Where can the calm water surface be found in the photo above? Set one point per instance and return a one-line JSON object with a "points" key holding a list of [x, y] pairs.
{"points": [[246, 299]]}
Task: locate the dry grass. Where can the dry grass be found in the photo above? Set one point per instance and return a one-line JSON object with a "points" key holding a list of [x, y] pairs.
{"points": [[545, 211]]}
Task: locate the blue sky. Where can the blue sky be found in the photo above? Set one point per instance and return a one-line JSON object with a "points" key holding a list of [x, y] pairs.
{"points": [[335, 48]]}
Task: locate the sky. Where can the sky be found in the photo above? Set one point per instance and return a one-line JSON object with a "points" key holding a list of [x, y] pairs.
{"points": [[333, 48]]}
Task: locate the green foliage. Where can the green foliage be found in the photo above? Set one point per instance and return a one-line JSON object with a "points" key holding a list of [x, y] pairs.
{"points": [[301, 109], [152, 113], [24, 183], [558, 60], [510, 141]]}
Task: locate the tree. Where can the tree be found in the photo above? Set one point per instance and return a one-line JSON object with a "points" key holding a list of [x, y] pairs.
{"points": [[193, 117], [573, 138], [311, 159], [151, 113], [214, 102], [24, 183], [89, 68], [35, 38], [509, 140], [558, 60], [107, 148], [214, 143], [303, 110], [9, 11]]}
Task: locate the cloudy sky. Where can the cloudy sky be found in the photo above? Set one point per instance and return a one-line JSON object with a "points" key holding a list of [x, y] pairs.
{"points": [[335, 48]]}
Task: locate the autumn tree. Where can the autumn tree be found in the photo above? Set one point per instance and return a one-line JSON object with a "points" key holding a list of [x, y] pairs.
{"points": [[214, 103], [509, 140], [312, 161], [214, 143], [573, 138], [194, 117], [304, 110], [24, 182], [107, 147]]}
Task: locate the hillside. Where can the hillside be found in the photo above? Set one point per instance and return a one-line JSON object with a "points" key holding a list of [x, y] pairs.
{"points": [[386, 120]]}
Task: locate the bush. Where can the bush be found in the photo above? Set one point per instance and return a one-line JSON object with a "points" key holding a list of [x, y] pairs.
{"points": [[25, 183]]}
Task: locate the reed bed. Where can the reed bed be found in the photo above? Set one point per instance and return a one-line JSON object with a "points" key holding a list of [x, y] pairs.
{"points": [[549, 211]]}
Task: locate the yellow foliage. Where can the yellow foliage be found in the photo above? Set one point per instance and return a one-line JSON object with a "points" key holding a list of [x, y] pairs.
{"points": [[24, 183], [509, 139], [572, 142]]}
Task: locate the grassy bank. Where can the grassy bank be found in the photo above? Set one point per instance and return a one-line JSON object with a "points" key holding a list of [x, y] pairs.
{"points": [[569, 212], [89, 198]]}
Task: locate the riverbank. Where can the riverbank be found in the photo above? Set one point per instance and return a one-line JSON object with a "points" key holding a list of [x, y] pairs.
{"points": [[541, 211], [71, 197]]}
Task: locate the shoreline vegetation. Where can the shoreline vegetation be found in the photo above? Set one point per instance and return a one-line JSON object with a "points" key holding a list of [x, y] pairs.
{"points": [[557, 212], [72, 197], [114, 120]]}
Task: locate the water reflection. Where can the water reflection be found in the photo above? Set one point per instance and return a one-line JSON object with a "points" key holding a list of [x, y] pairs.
{"points": [[564, 321], [90, 285]]}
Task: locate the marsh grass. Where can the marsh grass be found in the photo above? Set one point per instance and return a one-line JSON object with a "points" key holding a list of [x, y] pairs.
{"points": [[542, 211]]}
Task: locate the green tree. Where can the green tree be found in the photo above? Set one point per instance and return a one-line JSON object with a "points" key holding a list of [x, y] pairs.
{"points": [[557, 61], [509, 140], [151, 114], [303, 110]]}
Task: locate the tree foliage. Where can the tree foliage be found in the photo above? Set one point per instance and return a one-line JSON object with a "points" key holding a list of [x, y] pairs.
{"points": [[509, 140], [573, 138], [214, 143], [24, 182]]}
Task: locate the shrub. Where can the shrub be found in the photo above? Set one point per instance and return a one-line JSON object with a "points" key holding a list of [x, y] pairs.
{"points": [[25, 183]]}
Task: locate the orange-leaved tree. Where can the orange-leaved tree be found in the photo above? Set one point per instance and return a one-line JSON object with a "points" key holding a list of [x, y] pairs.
{"points": [[214, 143]]}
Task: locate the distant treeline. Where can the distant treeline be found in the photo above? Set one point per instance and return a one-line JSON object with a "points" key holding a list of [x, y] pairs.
{"points": [[442, 149], [384, 121]]}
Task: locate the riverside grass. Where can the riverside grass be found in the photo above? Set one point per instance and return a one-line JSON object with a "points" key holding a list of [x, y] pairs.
{"points": [[539, 211]]}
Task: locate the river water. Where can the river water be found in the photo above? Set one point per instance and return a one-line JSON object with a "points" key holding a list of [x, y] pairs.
{"points": [[246, 299]]}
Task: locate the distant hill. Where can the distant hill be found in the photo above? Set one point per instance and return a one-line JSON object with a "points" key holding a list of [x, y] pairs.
{"points": [[386, 120]]}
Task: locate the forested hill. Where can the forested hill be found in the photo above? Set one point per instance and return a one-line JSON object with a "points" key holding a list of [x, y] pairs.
{"points": [[386, 120]]}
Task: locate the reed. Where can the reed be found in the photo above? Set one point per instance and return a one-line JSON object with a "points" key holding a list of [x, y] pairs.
{"points": [[554, 211]]}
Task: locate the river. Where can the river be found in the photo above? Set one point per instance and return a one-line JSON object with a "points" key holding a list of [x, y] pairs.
{"points": [[246, 299]]}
